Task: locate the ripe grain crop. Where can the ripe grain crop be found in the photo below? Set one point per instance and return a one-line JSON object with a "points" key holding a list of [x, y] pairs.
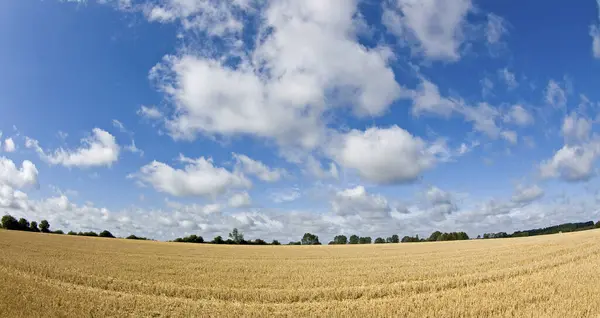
{"points": [[65, 276]]}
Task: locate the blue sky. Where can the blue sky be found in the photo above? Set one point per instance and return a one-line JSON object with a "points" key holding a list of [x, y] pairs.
{"points": [[171, 117]]}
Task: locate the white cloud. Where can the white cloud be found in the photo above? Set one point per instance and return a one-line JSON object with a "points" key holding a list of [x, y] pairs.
{"points": [[314, 167], [307, 61], [508, 78], [595, 34], [217, 18], [11, 198], [495, 28], [434, 28], [572, 162], [198, 178], [357, 202], [149, 112], [131, 147], [519, 116], [527, 194], [120, 126], [9, 145], [383, 155], [259, 169], [427, 99], [285, 195], [438, 196], [15, 177], [555, 95], [100, 149], [487, 86], [241, 199], [510, 136], [483, 117], [440, 204], [576, 128]]}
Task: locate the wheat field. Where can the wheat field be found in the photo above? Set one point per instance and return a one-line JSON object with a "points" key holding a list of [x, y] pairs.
{"points": [[65, 276]]}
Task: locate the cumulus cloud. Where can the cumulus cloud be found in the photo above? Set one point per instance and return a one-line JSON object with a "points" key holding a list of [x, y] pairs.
{"points": [[487, 86], [272, 92], [484, 117], [9, 145], [383, 155], [100, 149], [519, 116], [525, 194], [357, 202], [495, 28], [434, 28], [217, 18], [572, 162], [576, 128], [199, 177], [427, 99], [13, 176], [241, 199], [510, 136], [508, 77], [440, 203], [149, 112], [555, 95], [595, 34], [285, 195], [259, 169], [314, 168]]}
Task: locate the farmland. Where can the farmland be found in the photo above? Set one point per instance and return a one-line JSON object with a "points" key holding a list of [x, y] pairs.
{"points": [[58, 275]]}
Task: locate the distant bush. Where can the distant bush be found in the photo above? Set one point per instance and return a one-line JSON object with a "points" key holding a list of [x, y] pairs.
{"points": [[190, 239], [58, 232], [379, 240], [133, 237], [106, 233]]}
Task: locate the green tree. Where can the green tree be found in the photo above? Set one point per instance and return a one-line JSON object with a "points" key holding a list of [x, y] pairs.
{"points": [[10, 223], [133, 237], [236, 236], [310, 239], [434, 236], [58, 232], [45, 226], [218, 240], [379, 240], [340, 239], [23, 224], [275, 242], [106, 233], [364, 240], [395, 238], [598, 225], [33, 227], [354, 239], [72, 233]]}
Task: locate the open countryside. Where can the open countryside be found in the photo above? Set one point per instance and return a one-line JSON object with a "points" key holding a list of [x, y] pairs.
{"points": [[70, 276]]}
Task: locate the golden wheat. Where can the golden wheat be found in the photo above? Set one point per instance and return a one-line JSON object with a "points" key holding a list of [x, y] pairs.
{"points": [[65, 276]]}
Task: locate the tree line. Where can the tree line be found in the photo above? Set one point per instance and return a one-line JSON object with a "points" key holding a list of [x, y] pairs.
{"points": [[236, 237], [22, 224], [566, 227]]}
